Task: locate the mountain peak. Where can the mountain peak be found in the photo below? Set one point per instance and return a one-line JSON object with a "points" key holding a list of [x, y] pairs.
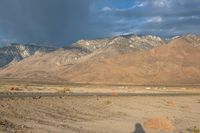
{"points": [[17, 52], [122, 41]]}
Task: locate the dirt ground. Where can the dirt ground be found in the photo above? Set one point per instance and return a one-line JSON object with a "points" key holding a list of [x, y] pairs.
{"points": [[83, 88], [94, 114]]}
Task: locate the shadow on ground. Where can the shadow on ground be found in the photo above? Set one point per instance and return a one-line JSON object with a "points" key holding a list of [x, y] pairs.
{"points": [[138, 128]]}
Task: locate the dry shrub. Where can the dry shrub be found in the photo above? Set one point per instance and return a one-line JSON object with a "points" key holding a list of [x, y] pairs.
{"points": [[15, 89], [64, 90], [171, 103], [9, 127], [114, 94], [161, 123], [107, 102], [194, 130], [186, 108], [199, 101]]}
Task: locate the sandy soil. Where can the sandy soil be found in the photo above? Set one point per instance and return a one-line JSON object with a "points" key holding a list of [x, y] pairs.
{"points": [[100, 114]]}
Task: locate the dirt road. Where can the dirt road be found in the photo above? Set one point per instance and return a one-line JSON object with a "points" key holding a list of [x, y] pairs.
{"points": [[44, 94]]}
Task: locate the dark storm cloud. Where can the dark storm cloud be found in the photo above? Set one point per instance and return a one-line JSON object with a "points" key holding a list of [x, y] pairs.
{"points": [[64, 21], [54, 21]]}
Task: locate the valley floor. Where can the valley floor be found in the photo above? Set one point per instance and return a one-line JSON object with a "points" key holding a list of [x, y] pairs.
{"points": [[74, 108], [95, 114]]}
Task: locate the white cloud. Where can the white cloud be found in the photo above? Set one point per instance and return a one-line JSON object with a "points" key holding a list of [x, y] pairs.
{"points": [[157, 3], [138, 5], [195, 17], [181, 18], [106, 8], [188, 17], [161, 3], [121, 21], [156, 19], [134, 6]]}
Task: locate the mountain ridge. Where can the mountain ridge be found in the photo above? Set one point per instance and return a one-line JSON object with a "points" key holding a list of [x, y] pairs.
{"points": [[16, 52], [114, 61]]}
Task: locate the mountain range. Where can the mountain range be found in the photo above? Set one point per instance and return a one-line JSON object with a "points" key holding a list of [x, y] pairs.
{"points": [[16, 52], [127, 59]]}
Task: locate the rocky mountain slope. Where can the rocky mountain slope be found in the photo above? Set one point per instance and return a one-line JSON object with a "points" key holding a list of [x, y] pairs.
{"points": [[125, 42], [16, 52], [122, 59], [173, 63]]}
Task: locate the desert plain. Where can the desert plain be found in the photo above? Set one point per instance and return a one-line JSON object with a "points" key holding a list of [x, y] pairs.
{"points": [[163, 109]]}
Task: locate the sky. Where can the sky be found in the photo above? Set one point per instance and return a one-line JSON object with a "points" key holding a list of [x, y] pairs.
{"points": [[62, 22]]}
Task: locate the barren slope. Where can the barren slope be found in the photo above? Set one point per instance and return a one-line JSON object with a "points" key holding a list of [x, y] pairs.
{"points": [[144, 60], [174, 63]]}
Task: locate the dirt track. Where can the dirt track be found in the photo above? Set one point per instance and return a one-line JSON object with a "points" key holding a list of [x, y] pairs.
{"points": [[44, 94]]}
